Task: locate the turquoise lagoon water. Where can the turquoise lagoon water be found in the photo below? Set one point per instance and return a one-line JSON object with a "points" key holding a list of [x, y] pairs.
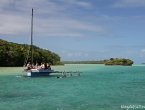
{"points": [[98, 88]]}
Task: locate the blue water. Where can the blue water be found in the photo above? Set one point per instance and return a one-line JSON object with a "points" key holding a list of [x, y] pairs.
{"points": [[98, 88]]}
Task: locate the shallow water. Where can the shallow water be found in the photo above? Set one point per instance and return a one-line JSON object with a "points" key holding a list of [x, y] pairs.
{"points": [[98, 88]]}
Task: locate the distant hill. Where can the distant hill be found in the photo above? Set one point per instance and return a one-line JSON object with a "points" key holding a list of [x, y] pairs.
{"points": [[14, 54]]}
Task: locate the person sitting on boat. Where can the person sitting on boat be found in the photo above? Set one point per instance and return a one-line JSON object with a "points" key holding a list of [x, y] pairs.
{"points": [[36, 66], [48, 66], [42, 66], [45, 64], [33, 66], [28, 67]]}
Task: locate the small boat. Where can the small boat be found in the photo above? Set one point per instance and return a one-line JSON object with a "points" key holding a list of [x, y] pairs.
{"points": [[36, 72]]}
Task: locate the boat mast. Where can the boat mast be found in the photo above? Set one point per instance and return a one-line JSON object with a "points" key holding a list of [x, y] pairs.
{"points": [[32, 39]]}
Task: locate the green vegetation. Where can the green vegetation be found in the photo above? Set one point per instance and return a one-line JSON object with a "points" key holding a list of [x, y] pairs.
{"points": [[117, 61], [83, 62], [112, 61], [13, 54]]}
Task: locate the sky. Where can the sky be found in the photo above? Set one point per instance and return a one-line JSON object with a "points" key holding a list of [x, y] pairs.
{"points": [[78, 30]]}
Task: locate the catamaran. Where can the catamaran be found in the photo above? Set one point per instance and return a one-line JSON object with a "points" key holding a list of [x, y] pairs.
{"points": [[36, 72]]}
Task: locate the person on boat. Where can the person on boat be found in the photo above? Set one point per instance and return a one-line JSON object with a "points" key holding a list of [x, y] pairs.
{"points": [[45, 64], [28, 67], [33, 66], [36, 66], [48, 66], [42, 66]]}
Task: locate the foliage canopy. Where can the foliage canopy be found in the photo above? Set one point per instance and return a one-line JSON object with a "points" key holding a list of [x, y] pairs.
{"points": [[84, 62], [117, 61], [13, 54]]}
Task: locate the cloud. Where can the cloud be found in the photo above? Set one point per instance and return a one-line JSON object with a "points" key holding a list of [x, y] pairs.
{"points": [[78, 3], [143, 50], [70, 54], [74, 54], [131, 52], [4, 3], [86, 55], [50, 18], [63, 51], [129, 3], [64, 26], [142, 54], [78, 54], [13, 24]]}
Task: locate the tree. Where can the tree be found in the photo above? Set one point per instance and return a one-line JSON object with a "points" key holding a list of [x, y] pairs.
{"points": [[117, 61], [13, 54]]}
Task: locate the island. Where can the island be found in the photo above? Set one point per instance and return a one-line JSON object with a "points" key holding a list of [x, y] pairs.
{"points": [[118, 61], [14, 54]]}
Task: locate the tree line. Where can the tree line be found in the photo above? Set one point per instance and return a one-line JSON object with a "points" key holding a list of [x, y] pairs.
{"points": [[13, 54], [84, 62], [111, 61]]}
